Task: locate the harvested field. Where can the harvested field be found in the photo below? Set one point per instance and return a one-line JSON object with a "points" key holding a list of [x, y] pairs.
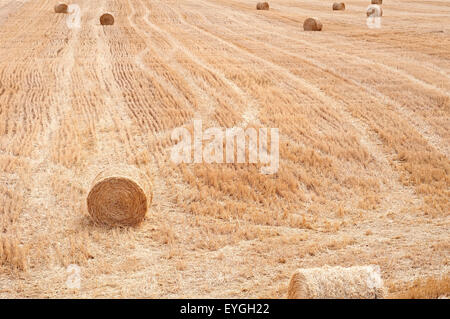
{"points": [[364, 125]]}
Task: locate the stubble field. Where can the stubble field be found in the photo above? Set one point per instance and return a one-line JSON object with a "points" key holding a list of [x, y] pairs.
{"points": [[363, 116]]}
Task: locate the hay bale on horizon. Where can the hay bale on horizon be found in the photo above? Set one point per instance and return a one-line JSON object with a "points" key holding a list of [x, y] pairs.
{"points": [[106, 19], [376, 1], [119, 196], [262, 6], [374, 11], [61, 8], [312, 24], [338, 6], [337, 282]]}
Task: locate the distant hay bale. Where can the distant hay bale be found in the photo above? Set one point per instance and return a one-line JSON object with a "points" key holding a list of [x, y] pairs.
{"points": [[337, 282], [119, 196], [312, 24], [376, 2], [374, 11], [106, 19], [338, 6], [61, 8], [262, 6]]}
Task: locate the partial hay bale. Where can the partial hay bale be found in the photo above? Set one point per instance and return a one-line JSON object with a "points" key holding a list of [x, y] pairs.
{"points": [[337, 282], [376, 2], [312, 24], [338, 6], [262, 6], [119, 196], [61, 8], [106, 19], [374, 11]]}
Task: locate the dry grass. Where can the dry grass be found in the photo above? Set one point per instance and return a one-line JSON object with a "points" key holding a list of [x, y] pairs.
{"points": [[426, 288], [12, 254], [363, 116]]}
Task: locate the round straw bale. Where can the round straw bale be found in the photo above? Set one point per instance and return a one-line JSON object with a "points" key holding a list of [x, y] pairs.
{"points": [[337, 282], [119, 196], [374, 11], [262, 6], [312, 24], [61, 8], [338, 6], [106, 19], [376, 1]]}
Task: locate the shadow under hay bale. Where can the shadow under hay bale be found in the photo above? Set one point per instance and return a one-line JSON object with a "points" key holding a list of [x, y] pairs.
{"points": [[359, 282], [338, 6], [312, 24], [61, 8], [106, 19], [262, 6], [119, 196]]}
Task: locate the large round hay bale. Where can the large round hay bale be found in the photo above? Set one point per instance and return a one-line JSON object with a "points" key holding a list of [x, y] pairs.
{"points": [[119, 196], [262, 6], [374, 11], [376, 2], [337, 282], [312, 24], [61, 8], [338, 6], [106, 19]]}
